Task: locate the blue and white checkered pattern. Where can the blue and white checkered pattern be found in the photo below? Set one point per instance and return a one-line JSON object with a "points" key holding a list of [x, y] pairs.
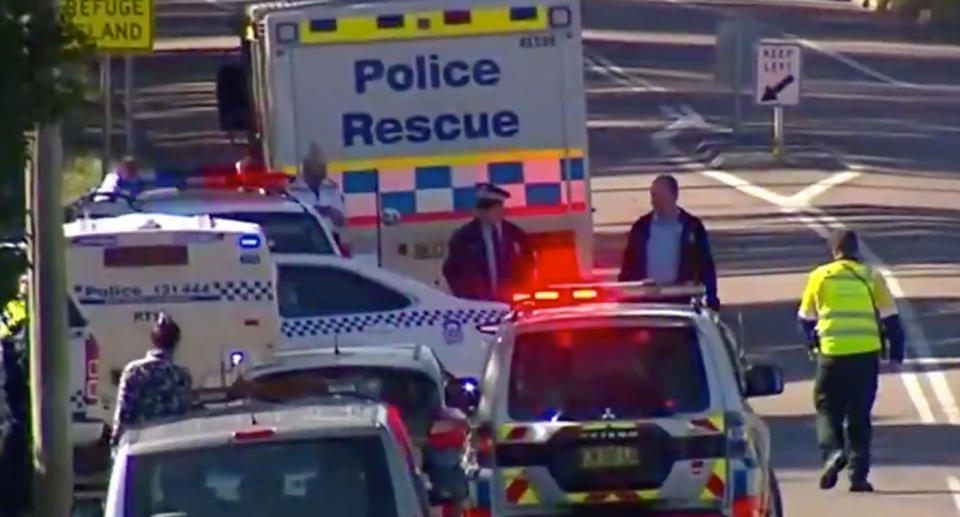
{"points": [[532, 182], [242, 290], [305, 327], [77, 401]]}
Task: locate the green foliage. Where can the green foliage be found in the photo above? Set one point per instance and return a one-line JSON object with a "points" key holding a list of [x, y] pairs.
{"points": [[40, 81]]}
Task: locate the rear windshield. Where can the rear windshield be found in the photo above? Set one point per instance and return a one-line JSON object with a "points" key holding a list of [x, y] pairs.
{"points": [[612, 372], [413, 393], [343, 477], [288, 232]]}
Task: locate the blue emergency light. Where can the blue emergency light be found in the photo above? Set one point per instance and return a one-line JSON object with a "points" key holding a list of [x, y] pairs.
{"points": [[249, 241], [236, 358]]}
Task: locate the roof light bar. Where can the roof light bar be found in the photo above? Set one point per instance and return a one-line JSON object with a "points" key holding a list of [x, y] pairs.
{"points": [[630, 292]]}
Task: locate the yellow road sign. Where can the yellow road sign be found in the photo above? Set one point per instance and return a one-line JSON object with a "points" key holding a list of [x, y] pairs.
{"points": [[114, 25]]}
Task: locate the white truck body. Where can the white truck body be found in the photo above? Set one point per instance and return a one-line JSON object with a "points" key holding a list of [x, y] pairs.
{"points": [[412, 103]]}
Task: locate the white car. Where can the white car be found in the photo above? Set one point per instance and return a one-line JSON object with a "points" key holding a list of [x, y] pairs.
{"points": [[326, 301], [290, 226]]}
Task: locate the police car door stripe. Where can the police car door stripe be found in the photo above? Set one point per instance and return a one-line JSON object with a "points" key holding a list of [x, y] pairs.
{"points": [[304, 327]]}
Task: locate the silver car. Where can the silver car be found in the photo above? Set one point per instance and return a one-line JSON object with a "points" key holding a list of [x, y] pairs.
{"points": [[349, 459], [610, 401]]}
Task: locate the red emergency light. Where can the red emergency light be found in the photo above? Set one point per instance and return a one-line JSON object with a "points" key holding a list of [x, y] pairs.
{"points": [[254, 434], [241, 181], [628, 292]]}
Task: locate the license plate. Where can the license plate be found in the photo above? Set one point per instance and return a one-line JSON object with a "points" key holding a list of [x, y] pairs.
{"points": [[611, 456]]}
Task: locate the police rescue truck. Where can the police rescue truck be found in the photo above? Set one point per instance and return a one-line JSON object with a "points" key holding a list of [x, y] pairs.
{"points": [[215, 277], [412, 103]]}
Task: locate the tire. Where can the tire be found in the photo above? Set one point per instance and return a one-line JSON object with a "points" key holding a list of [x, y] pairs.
{"points": [[776, 500]]}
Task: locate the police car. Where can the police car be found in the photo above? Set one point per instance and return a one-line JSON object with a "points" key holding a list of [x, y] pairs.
{"points": [[290, 226], [605, 398], [433, 403], [350, 458], [215, 277], [327, 301]]}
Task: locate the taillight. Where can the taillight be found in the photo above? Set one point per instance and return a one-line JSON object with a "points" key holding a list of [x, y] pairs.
{"points": [[747, 507], [254, 434], [477, 512], [483, 445], [91, 352], [399, 431], [736, 434], [447, 434]]}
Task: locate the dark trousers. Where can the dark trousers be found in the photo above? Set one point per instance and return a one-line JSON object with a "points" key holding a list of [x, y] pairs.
{"points": [[844, 390]]}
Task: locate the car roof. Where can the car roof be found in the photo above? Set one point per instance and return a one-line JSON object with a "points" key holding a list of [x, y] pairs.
{"points": [[412, 357], [219, 424], [590, 311], [143, 222], [204, 201]]}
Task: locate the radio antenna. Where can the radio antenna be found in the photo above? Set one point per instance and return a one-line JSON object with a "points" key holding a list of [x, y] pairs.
{"points": [[336, 344]]}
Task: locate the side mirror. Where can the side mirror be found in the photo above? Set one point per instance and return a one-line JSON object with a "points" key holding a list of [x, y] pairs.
{"points": [[233, 98], [763, 380], [463, 393]]}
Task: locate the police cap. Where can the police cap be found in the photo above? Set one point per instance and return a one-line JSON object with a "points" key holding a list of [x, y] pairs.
{"points": [[489, 194]]}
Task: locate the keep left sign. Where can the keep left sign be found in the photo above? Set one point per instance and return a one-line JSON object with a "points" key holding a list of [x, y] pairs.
{"points": [[114, 25]]}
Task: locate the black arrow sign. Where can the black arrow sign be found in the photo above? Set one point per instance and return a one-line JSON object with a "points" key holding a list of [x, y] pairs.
{"points": [[770, 93]]}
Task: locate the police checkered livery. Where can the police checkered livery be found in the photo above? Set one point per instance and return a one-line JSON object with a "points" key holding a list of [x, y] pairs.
{"points": [[77, 401], [242, 290], [305, 327]]}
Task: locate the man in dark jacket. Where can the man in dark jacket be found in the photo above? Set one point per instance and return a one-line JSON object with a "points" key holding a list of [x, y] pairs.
{"points": [[488, 257], [669, 245]]}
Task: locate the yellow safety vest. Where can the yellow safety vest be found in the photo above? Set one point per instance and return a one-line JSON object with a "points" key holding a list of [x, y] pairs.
{"points": [[14, 312], [846, 317]]}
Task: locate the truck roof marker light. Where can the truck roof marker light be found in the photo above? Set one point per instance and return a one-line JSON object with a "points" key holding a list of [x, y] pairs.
{"points": [[323, 25], [457, 17], [390, 21], [560, 17], [523, 13], [249, 241]]}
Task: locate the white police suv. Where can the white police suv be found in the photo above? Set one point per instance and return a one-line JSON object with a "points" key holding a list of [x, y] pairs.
{"points": [[289, 225], [607, 400]]}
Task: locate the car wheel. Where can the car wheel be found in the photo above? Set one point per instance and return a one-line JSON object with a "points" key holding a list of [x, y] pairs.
{"points": [[776, 501]]}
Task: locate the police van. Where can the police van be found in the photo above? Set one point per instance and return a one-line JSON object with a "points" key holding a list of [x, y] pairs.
{"points": [[413, 103], [215, 277]]}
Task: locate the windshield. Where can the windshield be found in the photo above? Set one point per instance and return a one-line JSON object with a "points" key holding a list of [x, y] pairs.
{"points": [[413, 393], [612, 372], [345, 477], [288, 232]]}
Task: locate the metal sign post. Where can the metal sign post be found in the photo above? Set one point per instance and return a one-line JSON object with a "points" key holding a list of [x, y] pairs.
{"points": [[106, 78], [129, 146], [778, 84]]}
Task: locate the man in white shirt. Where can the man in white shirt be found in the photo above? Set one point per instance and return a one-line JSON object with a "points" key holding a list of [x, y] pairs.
{"points": [[313, 187]]}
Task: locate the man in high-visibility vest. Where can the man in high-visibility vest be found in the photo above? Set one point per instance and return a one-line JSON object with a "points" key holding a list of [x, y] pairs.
{"points": [[14, 313], [847, 312]]}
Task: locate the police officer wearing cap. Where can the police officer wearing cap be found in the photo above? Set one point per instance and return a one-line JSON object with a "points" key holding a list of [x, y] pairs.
{"points": [[153, 387], [488, 257], [847, 313], [315, 188]]}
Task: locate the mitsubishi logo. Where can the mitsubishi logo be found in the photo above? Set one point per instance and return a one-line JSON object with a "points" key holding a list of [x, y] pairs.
{"points": [[608, 415]]}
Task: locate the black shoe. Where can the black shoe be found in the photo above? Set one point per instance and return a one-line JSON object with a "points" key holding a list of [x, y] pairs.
{"points": [[861, 486], [831, 471]]}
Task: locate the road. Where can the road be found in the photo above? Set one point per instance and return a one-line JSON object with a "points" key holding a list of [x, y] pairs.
{"points": [[881, 99]]}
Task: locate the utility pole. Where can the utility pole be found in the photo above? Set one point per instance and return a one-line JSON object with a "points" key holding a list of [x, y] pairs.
{"points": [[49, 353]]}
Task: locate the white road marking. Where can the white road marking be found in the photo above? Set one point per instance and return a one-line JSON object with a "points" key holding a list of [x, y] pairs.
{"points": [[604, 65], [821, 223], [953, 483], [808, 194]]}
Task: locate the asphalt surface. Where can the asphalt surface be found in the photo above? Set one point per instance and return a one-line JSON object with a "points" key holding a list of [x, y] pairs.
{"points": [[880, 98]]}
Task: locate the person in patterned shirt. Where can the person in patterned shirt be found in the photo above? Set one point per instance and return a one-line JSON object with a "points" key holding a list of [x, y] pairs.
{"points": [[153, 387]]}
